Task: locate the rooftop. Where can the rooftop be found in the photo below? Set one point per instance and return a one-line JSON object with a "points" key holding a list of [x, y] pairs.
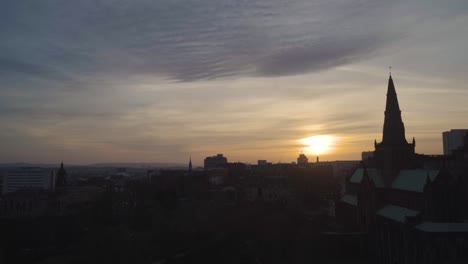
{"points": [[374, 174], [443, 227], [349, 199], [396, 213], [413, 180]]}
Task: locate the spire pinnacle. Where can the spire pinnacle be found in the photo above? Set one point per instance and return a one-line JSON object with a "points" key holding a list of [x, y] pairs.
{"points": [[394, 129]]}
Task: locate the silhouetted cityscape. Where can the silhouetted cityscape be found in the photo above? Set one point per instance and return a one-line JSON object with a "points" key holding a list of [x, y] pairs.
{"points": [[233, 131], [393, 206]]}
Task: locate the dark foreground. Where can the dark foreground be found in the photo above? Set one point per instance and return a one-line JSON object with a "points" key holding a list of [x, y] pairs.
{"points": [[191, 232]]}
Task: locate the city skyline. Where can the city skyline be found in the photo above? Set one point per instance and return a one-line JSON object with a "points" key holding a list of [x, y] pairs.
{"points": [[101, 81]]}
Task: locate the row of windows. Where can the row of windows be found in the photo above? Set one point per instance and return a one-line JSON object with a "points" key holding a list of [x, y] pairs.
{"points": [[9, 206]]}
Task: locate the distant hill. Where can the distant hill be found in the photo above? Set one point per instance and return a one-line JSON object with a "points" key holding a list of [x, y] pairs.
{"points": [[100, 165]]}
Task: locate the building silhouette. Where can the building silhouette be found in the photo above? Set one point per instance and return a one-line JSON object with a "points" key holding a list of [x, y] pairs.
{"points": [[453, 139], [302, 159], [408, 213], [213, 162]]}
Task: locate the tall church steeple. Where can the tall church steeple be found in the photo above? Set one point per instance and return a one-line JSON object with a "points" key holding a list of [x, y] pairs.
{"points": [[394, 152], [394, 129]]}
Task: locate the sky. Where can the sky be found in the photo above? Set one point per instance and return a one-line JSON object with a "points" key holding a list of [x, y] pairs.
{"points": [[159, 80]]}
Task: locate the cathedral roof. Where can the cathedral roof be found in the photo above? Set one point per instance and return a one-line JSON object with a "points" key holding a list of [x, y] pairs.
{"points": [[374, 174], [443, 227], [413, 180], [396, 213], [349, 199]]}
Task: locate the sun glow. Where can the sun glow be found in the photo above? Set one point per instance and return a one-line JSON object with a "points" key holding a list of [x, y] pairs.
{"points": [[318, 145]]}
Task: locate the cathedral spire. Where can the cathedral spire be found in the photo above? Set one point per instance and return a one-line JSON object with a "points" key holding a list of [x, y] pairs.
{"points": [[394, 129]]}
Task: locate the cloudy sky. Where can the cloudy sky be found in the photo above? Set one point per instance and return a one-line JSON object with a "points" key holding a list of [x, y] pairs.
{"points": [[159, 80]]}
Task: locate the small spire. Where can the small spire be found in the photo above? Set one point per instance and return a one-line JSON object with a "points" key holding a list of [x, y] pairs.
{"points": [[61, 176], [390, 71], [190, 164], [414, 141]]}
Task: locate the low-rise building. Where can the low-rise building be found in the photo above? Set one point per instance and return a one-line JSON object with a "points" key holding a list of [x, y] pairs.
{"points": [[28, 178]]}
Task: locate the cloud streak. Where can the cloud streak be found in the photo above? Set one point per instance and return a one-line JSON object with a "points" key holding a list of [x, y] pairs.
{"points": [[194, 39]]}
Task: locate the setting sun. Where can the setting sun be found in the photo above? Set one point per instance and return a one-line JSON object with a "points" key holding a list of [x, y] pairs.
{"points": [[321, 144]]}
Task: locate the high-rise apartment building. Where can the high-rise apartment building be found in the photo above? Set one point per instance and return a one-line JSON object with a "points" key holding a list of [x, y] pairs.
{"points": [[453, 139]]}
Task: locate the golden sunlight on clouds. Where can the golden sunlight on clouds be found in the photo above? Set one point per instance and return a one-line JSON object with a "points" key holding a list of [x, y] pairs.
{"points": [[320, 144]]}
